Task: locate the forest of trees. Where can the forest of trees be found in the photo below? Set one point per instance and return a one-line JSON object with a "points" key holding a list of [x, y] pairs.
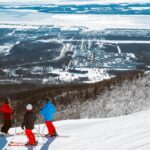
{"points": [[121, 99]]}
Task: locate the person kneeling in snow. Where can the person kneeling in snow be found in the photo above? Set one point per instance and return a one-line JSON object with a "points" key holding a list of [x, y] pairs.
{"points": [[7, 112], [28, 122], [48, 112]]}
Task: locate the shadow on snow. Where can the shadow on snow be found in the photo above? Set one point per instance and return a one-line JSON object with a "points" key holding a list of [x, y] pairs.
{"points": [[46, 144], [3, 142]]}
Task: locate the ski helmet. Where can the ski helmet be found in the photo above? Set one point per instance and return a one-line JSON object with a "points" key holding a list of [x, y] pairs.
{"points": [[29, 107]]}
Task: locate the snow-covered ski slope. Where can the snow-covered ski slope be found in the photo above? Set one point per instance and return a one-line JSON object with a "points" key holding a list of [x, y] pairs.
{"points": [[130, 132]]}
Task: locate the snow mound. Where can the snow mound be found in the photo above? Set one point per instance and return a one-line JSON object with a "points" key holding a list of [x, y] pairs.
{"points": [[130, 132]]}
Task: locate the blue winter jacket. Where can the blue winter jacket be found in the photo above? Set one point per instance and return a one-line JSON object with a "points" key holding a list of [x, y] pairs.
{"points": [[48, 111]]}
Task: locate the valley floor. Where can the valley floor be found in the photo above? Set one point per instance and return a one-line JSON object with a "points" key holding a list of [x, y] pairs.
{"points": [[130, 132]]}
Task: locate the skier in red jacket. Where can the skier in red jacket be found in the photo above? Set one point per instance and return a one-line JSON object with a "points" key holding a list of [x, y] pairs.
{"points": [[7, 112]]}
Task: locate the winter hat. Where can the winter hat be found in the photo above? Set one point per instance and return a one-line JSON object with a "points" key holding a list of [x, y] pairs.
{"points": [[47, 99], [29, 107], [7, 100]]}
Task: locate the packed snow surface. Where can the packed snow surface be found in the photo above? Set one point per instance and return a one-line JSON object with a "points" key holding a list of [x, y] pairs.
{"points": [[130, 132]]}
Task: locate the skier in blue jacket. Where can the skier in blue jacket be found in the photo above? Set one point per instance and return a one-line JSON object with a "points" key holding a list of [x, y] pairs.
{"points": [[48, 112]]}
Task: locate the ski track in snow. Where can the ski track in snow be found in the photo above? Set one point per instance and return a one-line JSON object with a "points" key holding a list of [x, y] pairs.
{"points": [[130, 132], [119, 50]]}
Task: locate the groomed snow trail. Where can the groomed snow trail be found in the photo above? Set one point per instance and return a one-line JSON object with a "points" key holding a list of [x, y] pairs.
{"points": [[130, 132]]}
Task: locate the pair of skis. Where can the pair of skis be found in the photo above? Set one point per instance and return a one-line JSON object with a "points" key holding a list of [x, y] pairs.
{"points": [[20, 144], [7, 135], [41, 135], [47, 136]]}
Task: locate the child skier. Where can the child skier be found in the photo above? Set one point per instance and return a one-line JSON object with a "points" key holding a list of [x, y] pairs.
{"points": [[48, 112], [28, 122], [7, 112]]}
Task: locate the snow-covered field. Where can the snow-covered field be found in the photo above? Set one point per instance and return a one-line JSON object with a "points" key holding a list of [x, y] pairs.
{"points": [[94, 75], [130, 132], [27, 14], [92, 22]]}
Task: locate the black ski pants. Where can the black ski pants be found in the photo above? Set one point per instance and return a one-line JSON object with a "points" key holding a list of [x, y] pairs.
{"points": [[6, 126]]}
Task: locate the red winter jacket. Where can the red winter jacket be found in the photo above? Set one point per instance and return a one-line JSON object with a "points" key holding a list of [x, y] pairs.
{"points": [[7, 111]]}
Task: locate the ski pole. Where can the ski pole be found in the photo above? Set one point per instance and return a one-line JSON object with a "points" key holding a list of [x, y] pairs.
{"points": [[40, 135], [43, 131], [38, 130], [15, 132], [15, 127]]}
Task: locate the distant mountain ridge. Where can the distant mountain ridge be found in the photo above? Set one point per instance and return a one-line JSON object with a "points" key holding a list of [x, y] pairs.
{"points": [[122, 9], [72, 1]]}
